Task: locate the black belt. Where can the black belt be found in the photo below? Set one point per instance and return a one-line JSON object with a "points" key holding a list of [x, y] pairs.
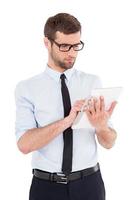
{"points": [[61, 178]]}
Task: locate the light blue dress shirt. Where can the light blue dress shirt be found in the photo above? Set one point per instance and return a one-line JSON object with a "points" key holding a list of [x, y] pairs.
{"points": [[39, 103]]}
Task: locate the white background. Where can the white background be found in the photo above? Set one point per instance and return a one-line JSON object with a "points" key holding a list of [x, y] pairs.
{"points": [[108, 35]]}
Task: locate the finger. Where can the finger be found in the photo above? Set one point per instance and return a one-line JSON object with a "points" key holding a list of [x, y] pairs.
{"points": [[89, 114], [91, 106], [79, 101], [78, 106], [85, 108], [111, 109], [97, 104], [102, 104]]}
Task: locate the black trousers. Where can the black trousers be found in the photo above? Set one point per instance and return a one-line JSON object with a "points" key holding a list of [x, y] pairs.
{"points": [[88, 188]]}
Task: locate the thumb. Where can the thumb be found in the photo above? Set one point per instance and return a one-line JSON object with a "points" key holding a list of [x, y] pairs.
{"points": [[111, 109]]}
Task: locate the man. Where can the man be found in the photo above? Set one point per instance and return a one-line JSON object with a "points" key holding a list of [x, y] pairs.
{"points": [[64, 161]]}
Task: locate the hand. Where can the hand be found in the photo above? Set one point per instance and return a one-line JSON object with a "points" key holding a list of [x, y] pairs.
{"points": [[97, 114], [75, 109]]}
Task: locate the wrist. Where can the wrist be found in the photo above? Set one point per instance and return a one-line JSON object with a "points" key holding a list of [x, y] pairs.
{"points": [[68, 121], [102, 129]]}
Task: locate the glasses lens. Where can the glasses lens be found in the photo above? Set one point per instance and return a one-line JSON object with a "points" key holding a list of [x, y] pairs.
{"points": [[67, 47], [64, 47], [78, 47]]}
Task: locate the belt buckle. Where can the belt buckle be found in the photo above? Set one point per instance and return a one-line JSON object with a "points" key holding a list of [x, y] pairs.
{"points": [[62, 178]]}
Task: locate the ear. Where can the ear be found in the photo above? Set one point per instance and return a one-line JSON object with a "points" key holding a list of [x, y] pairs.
{"points": [[46, 42]]}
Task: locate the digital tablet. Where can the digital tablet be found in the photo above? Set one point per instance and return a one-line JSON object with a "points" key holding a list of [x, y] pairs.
{"points": [[110, 94]]}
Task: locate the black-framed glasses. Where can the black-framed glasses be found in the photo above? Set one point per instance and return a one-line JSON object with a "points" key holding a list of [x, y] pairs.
{"points": [[64, 47]]}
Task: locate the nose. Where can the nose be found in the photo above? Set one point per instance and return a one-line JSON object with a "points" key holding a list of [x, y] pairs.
{"points": [[71, 52]]}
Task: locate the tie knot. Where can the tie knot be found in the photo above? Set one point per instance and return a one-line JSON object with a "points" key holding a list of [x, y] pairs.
{"points": [[62, 76]]}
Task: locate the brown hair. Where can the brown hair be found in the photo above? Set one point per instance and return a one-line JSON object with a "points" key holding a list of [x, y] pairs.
{"points": [[62, 22]]}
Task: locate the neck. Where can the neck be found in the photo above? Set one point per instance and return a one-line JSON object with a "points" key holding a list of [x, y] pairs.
{"points": [[55, 67]]}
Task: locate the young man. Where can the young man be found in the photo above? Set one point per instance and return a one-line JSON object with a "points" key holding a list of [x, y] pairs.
{"points": [[64, 161]]}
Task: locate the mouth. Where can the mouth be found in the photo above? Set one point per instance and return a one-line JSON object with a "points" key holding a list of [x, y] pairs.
{"points": [[70, 60]]}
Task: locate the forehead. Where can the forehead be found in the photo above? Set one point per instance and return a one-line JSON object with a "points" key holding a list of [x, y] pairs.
{"points": [[68, 38]]}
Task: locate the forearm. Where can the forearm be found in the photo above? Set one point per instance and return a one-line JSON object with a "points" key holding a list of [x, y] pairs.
{"points": [[106, 137], [37, 138]]}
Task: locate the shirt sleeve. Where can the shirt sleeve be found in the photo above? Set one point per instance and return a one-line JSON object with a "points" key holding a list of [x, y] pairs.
{"points": [[25, 118]]}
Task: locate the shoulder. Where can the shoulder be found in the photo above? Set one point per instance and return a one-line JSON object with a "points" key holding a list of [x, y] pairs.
{"points": [[31, 81], [86, 76], [28, 84]]}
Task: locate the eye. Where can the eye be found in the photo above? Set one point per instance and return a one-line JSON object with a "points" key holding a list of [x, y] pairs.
{"points": [[76, 46], [65, 45]]}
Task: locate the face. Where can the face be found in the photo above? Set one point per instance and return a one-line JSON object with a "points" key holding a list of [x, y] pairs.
{"points": [[59, 60]]}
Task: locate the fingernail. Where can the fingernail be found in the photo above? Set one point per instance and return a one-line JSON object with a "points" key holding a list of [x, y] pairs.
{"points": [[101, 97]]}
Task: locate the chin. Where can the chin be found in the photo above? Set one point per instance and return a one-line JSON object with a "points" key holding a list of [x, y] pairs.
{"points": [[68, 66]]}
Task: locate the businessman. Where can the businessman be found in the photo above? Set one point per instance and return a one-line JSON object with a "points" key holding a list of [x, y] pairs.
{"points": [[64, 160]]}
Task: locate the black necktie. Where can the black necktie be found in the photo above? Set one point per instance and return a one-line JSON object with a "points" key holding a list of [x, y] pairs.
{"points": [[67, 134]]}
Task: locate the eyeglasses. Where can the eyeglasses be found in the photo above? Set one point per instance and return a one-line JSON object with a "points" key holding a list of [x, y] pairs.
{"points": [[66, 47]]}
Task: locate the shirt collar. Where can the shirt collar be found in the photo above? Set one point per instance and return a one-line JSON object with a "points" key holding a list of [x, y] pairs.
{"points": [[56, 75]]}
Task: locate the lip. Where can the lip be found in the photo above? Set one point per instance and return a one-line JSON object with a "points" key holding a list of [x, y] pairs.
{"points": [[69, 60]]}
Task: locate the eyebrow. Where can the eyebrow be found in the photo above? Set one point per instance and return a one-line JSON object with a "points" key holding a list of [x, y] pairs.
{"points": [[70, 44]]}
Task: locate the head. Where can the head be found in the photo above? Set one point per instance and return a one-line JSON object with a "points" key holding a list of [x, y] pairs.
{"points": [[62, 39]]}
